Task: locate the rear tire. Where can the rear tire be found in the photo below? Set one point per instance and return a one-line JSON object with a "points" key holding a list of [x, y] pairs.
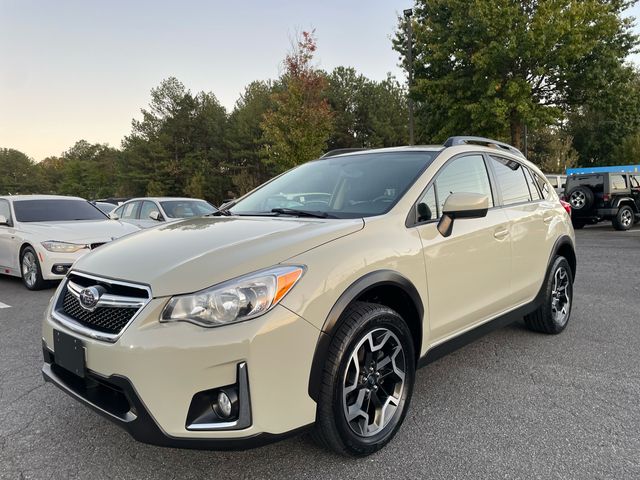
{"points": [[624, 219], [360, 409], [553, 315], [580, 198], [30, 270]]}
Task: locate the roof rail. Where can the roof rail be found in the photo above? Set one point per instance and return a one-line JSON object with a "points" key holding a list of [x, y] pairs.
{"points": [[340, 151], [485, 142]]}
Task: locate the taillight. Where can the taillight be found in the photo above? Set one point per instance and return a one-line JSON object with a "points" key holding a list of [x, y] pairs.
{"points": [[567, 206], [606, 197]]}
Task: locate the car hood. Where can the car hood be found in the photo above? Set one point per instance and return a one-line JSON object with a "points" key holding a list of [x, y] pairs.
{"points": [[80, 231], [193, 254]]}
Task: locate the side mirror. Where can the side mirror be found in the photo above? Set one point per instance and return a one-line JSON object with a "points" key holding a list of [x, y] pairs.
{"points": [[4, 221], [462, 205], [155, 215], [114, 216]]}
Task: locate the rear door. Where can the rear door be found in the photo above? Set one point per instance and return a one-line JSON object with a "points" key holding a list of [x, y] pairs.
{"points": [[531, 217], [468, 272]]}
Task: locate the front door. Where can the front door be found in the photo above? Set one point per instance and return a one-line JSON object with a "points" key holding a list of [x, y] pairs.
{"points": [[468, 273]]}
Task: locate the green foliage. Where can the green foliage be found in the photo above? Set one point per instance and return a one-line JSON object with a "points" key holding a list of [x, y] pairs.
{"points": [[298, 128], [20, 175], [609, 117], [552, 150], [247, 153], [366, 113], [178, 146], [488, 67]]}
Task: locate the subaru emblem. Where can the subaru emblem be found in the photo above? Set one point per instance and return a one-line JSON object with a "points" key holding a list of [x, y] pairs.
{"points": [[89, 298]]}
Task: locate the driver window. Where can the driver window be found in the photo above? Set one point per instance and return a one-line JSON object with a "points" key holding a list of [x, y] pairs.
{"points": [[147, 208], [466, 174]]}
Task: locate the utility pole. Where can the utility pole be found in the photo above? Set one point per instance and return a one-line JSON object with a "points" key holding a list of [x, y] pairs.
{"points": [[407, 15]]}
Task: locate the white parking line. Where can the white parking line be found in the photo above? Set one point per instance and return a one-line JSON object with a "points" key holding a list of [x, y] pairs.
{"points": [[4, 305]]}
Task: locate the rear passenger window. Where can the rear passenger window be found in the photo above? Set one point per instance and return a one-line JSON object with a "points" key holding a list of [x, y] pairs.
{"points": [[510, 177], [618, 182], [543, 186], [533, 189]]}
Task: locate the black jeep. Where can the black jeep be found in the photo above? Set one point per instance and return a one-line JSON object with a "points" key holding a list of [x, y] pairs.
{"points": [[604, 196]]}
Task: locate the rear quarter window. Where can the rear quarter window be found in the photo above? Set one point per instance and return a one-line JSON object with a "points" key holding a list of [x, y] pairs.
{"points": [[618, 182]]}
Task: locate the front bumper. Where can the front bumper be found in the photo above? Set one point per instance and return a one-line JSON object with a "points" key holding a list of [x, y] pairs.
{"points": [[115, 399], [50, 259], [159, 367]]}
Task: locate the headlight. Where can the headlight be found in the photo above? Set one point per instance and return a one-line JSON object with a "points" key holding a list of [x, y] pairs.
{"points": [[62, 247], [240, 299]]}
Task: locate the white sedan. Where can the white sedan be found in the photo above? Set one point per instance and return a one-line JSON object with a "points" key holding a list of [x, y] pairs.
{"points": [[42, 235], [149, 211]]}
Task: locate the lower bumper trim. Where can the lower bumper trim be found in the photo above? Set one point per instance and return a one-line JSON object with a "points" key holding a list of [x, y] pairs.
{"points": [[133, 416]]}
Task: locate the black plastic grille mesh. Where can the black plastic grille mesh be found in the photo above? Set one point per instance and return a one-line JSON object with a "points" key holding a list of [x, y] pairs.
{"points": [[102, 319]]}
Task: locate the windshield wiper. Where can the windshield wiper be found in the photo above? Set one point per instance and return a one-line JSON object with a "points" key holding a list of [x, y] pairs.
{"points": [[301, 213], [219, 213]]}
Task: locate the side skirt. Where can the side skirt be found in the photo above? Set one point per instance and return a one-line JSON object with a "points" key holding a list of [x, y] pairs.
{"points": [[469, 336]]}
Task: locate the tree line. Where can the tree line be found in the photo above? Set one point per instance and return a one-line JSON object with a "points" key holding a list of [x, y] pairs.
{"points": [[548, 76]]}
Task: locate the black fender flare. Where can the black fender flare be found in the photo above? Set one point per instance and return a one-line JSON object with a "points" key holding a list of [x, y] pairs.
{"points": [[627, 201], [362, 285]]}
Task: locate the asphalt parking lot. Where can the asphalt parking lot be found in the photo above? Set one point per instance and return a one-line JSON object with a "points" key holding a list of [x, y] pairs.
{"points": [[512, 405]]}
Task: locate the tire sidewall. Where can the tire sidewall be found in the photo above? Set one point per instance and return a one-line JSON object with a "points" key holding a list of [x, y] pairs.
{"points": [[382, 318]]}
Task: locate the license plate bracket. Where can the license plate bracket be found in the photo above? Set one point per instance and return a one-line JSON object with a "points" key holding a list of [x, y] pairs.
{"points": [[69, 353]]}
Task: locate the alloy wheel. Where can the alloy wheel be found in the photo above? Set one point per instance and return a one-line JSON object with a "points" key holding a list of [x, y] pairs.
{"points": [[29, 269], [626, 218], [374, 381], [577, 200], [561, 296]]}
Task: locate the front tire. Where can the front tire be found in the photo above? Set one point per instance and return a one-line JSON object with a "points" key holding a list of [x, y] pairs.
{"points": [[367, 381], [30, 270], [624, 219], [553, 315]]}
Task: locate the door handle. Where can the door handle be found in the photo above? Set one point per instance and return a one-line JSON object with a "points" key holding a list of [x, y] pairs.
{"points": [[501, 234]]}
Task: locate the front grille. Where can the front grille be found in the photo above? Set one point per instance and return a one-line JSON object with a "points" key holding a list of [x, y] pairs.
{"points": [[103, 319], [116, 304]]}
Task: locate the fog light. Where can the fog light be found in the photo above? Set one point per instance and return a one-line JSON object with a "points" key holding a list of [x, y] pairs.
{"points": [[224, 405]]}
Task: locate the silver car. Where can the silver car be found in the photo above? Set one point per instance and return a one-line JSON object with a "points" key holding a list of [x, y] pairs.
{"points": [[148, 212], [557, 181]]}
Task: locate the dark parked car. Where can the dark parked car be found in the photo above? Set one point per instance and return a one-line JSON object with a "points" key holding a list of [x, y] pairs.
{"points": [[596, 197]]}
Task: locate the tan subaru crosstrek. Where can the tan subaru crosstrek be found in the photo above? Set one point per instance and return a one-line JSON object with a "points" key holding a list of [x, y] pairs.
{"points": [[311, 301]]}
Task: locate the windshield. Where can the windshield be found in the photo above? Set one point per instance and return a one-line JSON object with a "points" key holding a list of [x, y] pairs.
{"points": [[187, 208], [55, 210], [347, 186]]}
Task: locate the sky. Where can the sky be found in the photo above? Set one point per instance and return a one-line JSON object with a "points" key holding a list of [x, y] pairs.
{"points": [[74, 70], [77, 69]]}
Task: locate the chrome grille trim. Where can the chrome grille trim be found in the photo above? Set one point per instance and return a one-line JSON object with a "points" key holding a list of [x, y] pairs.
{"points": [[107, 300]]}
